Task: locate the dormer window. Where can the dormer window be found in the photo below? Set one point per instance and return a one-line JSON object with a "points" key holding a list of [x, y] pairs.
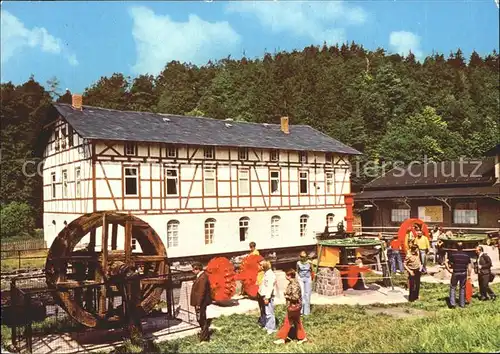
{"points": [[130, 149]]}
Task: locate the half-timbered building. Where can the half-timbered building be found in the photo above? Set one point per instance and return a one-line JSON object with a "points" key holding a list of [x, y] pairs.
{"points": [[205, 185]]}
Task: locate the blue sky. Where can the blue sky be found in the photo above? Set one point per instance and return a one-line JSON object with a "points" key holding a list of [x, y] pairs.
{"points": [[78, 42]]}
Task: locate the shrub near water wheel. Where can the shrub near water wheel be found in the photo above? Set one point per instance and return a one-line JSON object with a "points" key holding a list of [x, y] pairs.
{"points": [[222, 279]]}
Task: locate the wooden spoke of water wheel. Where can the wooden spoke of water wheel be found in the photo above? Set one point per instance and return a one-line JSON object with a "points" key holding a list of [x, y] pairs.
{"points": [[94, 267]]}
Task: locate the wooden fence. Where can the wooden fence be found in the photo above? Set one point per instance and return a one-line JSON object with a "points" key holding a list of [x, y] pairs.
{"points": [[23, 245]]}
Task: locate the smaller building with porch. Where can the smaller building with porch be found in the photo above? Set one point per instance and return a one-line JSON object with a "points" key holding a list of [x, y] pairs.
{"points": [[458, 195]]}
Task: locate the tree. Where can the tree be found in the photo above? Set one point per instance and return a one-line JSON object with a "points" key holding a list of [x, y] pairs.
{"points": [[109, 92], [421, 135], [16, 220], [66, 98], [142, 94]]}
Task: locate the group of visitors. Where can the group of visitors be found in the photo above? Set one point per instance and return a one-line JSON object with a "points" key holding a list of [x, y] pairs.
{"points": [[460, 265], [297, 296]]}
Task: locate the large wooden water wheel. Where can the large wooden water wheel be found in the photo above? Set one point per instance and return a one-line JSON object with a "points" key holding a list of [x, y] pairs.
{"points": [[89, 280]]}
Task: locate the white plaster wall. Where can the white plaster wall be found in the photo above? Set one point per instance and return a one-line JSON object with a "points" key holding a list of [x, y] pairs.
{"points": [[226, 236], [153, 199]]}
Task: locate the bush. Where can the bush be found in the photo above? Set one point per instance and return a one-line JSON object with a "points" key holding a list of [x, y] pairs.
{"points": [[16, 219], [38, 234]]}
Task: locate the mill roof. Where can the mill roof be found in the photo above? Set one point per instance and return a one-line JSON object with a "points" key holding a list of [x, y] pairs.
{"points": [[108, 124]]}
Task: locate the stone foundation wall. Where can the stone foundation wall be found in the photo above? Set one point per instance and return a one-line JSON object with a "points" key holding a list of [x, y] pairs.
{"points": [[329, 282]]}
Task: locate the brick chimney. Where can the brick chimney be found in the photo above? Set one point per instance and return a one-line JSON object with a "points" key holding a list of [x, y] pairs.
{"points": [[284, 125], [77, 102]]}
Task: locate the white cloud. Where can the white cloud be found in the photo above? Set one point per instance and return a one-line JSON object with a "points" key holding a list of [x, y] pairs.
{"points": [[320, 20], [159, 40], [15, 37], [403, 42]]}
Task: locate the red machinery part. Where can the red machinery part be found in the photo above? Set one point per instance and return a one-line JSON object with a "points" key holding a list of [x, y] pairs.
{"points": [[222, 278], [408, 224], [349, 218], [249, 270]]}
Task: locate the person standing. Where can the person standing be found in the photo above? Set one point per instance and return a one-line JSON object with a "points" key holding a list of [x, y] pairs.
{"points": [[440, 252], [266, 294], [459, 265], [436, 232], [413, 266], [293, 298], [253, 252], [395, 255], [485, 276], [253, 249], [384, 261], [423, 245], [304, 270], [200, 299]]}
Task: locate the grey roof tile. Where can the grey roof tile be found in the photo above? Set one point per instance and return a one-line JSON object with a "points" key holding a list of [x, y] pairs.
{"points": [[108, 124]]}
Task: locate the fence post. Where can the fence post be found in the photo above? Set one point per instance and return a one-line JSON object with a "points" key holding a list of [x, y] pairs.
{"points": [[13, 304], [28, 330], [19, 257]]}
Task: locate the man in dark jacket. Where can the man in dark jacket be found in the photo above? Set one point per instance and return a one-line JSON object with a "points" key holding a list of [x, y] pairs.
{"points": [[483, 270], [461, 264], [200, 299]]}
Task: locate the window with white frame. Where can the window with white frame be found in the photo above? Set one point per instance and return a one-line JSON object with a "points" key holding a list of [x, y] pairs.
{"points": [[64, 134], [243, 154], [244, 224], [399, 215], [275, 182], [172, 233], [329, 182], [275, 155], [303, 156], [56, 139], [209, 181], [209, 231], [71, 133], [209, 153], [275, 226], [53, 184], [65, 183], [465, 213], [171, 152], [243, 181], [329, 158], [303, 225], [172, 181], [78, 182], [329, 219], [131, 181], [303, 182], [130, 149]]}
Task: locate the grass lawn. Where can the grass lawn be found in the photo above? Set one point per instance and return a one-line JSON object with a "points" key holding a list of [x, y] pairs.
{"points": [[424, 326], [12, 263]]}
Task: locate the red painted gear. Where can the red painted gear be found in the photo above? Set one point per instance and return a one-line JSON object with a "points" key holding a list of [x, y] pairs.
{"points": [[222, 278], [249, 270]]}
